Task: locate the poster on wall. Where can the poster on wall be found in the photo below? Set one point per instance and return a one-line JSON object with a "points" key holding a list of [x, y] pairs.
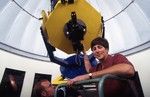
{"points": [[11, 83]]}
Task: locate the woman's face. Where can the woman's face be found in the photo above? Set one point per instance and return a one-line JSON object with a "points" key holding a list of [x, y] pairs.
{"points": [[49, 89], [100, 52]]}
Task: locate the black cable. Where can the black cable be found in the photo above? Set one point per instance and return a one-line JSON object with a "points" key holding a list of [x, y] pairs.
{"points": [[26, 10], [120, 11]]}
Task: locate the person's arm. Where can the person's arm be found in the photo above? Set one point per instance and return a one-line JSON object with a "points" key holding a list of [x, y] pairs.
{"points": [[126, 70], [87, 63]]}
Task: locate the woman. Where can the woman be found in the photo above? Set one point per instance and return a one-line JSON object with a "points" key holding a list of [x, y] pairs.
{"points": [[116, 64]]}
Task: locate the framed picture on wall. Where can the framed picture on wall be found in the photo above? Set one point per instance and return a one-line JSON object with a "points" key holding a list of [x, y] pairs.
{"points": [[11, 83]]}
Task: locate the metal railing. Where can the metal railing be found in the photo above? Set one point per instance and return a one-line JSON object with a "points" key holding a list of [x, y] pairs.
{"points": [[100, 82]]}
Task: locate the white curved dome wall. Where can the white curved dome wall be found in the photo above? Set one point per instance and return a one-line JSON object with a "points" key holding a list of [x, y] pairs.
{"points": [[126, 23], [21, 30]]}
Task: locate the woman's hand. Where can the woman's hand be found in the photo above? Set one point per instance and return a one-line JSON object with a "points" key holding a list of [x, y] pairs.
{"points": [[78, 78]]}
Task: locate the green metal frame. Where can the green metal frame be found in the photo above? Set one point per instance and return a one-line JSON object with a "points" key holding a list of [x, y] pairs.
{"points": [[100, 82]]}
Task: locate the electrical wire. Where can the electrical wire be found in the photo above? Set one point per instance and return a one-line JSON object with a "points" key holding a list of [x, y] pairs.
{"points": [[120, 11], [26, 10], [88, 0]]}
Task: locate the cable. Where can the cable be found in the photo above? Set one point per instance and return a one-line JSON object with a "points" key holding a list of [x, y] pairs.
{"points": [[26, 10], [120, 11], [88, 0]]}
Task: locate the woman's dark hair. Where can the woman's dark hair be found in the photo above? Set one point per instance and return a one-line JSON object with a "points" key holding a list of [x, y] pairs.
{"points": [[100, 41]]}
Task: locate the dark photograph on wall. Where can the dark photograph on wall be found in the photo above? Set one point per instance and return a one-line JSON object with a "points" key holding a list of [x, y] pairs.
{"points": [[38, 77], [11, 83]]}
